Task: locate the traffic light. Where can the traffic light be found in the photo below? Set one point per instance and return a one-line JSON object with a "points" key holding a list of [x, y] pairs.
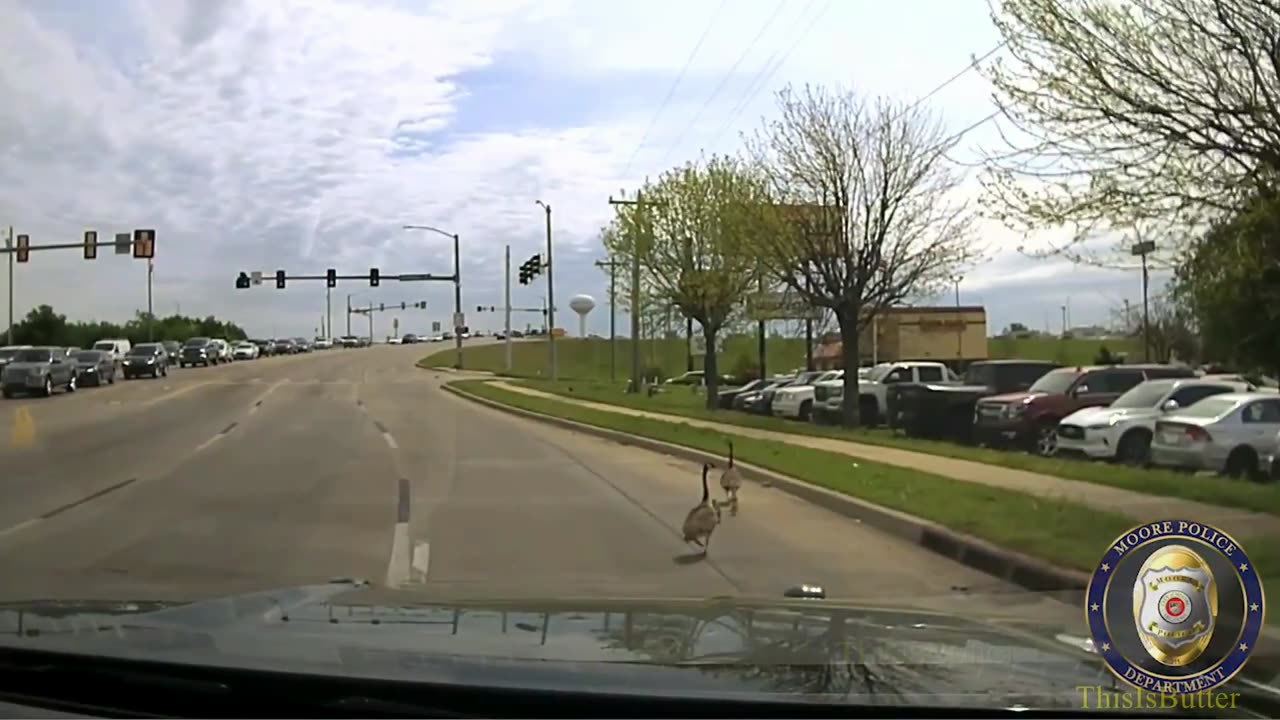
{"points": [[530, 269], [403, 306], [24, 242], [242, 281], [331, 277], [382, 307], [373, 277], [279, 279], [90, 244], [144, 244]]}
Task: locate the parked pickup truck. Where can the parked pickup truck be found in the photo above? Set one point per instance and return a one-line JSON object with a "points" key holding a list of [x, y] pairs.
{"points": [[873, 389], [944, 410]]}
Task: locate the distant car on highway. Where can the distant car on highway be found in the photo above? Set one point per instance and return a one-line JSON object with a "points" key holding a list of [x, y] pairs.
{"points": [[173, 349], [146, 359], [246, 350], [39, 370], [199, 351], [7, 352], [323, 343], [116, 346], [284, 346], [303, 345], [94, 367], [410, 339]]}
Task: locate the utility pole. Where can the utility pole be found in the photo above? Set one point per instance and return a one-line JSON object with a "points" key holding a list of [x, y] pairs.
{"points": [[8, 245], [551, 300], [1142, 249], [348, 314], [613, 315], [370, 323], [760, 335], [635, 298], [151, 270], [507, 325], [808, 332], [328, 312]]}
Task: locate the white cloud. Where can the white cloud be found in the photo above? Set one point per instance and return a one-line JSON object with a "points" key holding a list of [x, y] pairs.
{"points": [[301, 136]]}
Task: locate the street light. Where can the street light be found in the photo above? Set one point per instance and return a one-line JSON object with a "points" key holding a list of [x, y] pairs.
{"points": [[457, 287], [551, 300]]}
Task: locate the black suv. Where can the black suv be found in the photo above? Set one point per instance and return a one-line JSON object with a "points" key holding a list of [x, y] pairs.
{"points": [[145, 359]]}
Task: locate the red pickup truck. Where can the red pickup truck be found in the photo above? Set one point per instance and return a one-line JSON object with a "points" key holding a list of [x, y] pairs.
{"points": [[1030, 419]]}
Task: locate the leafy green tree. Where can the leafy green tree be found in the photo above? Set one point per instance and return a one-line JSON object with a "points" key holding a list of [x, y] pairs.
{"points": [[1133, 114], [699, 225], [43, 326], [1230, 281]]}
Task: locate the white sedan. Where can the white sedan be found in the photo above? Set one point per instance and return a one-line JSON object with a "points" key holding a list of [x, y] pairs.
{"points": [[245, 351]]}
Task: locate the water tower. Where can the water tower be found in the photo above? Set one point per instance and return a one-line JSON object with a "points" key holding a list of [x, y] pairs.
{"points": [[582, 304]]}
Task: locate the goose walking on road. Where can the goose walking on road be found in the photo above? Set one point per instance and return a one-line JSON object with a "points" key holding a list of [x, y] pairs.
{"points": [[703, 518], [731, 479]]}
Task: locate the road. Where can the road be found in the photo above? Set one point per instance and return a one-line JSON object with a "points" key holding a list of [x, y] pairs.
{"points": [[344, 463]]}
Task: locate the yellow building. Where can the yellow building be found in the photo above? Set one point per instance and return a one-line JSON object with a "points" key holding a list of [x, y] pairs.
{"points": [[945, 334]]}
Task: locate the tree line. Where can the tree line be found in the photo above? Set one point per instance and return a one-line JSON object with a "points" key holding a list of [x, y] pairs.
{"points": [[850, 204], [43, 326]]}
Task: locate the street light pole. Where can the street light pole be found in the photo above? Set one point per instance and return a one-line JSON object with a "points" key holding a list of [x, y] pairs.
{"points": [[457, 301], [349, 314], [551, 300], [507, 337]]}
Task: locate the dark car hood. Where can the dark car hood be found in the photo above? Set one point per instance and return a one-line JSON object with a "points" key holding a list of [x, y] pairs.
{"points": [[80, 364], [804, 650]]}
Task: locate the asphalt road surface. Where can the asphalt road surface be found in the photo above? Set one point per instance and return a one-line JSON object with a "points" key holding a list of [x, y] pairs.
{"points": [[354, 463]]}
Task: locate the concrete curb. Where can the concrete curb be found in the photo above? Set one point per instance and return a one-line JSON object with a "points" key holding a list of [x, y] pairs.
{"points": [[1022, 570]]}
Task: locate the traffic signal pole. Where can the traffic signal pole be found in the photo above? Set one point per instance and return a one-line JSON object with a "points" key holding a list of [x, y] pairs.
{"points": [[507, 323], [551, 300]]}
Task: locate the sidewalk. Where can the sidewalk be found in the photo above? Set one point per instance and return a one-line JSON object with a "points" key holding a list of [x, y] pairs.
{"points": [[1139, 506]]}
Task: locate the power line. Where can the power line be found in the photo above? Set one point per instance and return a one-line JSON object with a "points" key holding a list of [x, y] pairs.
{"points": [[672, 91], [725, 80], [773, 65]]}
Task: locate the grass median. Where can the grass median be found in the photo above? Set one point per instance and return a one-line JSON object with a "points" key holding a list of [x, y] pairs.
{"points": [[681, 401], [1061, 532]]}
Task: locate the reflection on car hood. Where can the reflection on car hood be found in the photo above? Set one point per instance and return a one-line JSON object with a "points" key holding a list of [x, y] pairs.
{"points": [[805, 650], [27, 365], [1011, 397], [1094, 415]]}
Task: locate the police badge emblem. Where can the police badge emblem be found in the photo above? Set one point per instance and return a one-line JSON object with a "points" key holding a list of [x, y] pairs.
{"points": [[1175, 607]]}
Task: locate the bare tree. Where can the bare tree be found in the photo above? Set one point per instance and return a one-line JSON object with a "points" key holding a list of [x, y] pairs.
{"points": [[1173, 330], [1140, 112], [868, 218]]}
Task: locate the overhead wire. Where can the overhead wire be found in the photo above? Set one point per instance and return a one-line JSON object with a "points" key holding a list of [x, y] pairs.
{"points": [[672, 91], [725, 80], [772, 65]]}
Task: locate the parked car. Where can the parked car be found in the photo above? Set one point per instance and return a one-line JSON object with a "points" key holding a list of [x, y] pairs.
{"points": [[39, 370], [724, 398], [199, 351], [146, 359], [763, 404], [1227, 434], [94, 367], [1122, 430], [945, 410], [873, 390], [795, 401], [245, 350], [265, 347], [1030, 419], [1271, 461]]}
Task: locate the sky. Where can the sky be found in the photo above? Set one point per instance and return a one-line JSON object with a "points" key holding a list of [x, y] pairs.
{"points": [[304, 135]]}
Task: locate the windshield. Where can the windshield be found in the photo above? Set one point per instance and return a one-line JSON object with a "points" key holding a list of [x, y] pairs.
{"points": [[1211, 407], [145, 350], [196, 342], [1056, 382], [108, 346], [33, 355], [88, 356], [1144, 395], [8, 353]]}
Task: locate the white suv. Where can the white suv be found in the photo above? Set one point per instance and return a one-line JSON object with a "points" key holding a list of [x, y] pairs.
{"points": [[796, 401]]}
